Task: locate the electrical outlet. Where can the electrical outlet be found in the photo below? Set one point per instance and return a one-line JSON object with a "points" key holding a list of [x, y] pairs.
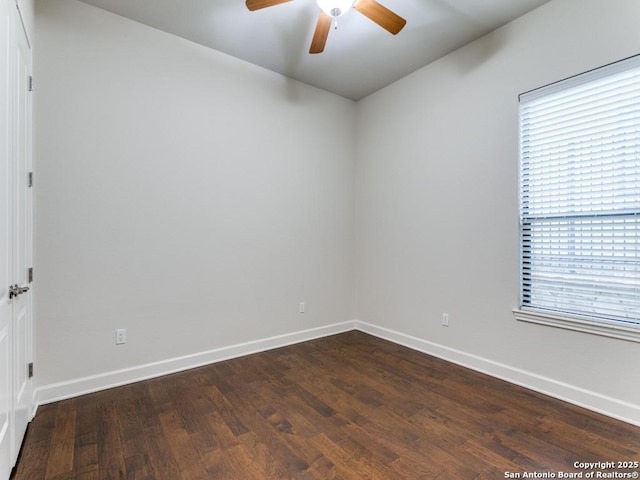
{"points": [[121, 336], [445, 319], [301, 307]]}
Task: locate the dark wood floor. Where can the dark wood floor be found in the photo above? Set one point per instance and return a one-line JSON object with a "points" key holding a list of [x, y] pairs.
{"points": [[349, 406]]}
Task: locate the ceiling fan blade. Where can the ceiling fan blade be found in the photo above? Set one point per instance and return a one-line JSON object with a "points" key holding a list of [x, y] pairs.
{"points": [[322, 32], [381, 15], [258, 4]]}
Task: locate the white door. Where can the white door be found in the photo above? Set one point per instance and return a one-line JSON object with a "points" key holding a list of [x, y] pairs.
{"points": [[6, 236], [15, 236], [22, 228]]}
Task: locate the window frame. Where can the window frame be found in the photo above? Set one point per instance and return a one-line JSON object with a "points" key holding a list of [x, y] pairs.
{"points": [[556, 318]]}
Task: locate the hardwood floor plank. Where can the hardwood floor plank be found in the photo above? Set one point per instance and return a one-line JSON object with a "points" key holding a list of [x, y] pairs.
{"points": [[350, 461], [227, 411], [294, 462], [262, 457], [110, 451], [192, 466], [92, 473], [60, 461], [346, 407], [161, 459]]}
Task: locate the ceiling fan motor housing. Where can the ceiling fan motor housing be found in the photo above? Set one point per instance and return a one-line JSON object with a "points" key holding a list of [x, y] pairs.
{"points": [[335, 8]]}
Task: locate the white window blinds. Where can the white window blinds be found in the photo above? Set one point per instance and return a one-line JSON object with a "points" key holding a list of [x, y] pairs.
{"points": [[580, 195]]}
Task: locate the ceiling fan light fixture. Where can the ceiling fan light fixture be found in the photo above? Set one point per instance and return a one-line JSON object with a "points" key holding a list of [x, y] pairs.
{"points": [[335, 8]]}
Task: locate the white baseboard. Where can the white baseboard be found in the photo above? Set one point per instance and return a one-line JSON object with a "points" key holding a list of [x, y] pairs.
{"points": [[612, 407], [597, 402], [94, 383]]}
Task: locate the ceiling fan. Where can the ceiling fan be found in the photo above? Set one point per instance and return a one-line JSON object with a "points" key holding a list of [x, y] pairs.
{"points": [[330, 10]]}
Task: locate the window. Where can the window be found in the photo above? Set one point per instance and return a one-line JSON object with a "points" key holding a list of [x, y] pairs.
{"points": [[580, 202]]}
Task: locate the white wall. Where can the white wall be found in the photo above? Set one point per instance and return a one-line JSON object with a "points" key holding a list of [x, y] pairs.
{"points": [[184, 195], [437, 218]]}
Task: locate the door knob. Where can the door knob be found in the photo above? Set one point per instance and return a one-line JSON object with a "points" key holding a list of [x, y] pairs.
{"points": [[15, 290]]}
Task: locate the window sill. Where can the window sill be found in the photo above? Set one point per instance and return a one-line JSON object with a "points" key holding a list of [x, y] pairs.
{"points": [[579, 324]]}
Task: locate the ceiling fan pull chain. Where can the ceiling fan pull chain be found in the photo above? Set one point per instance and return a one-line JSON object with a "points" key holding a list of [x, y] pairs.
{"points": [[335, 13]]}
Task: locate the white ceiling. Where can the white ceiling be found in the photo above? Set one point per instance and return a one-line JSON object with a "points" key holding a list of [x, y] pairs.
{"points": [[359, 58]]}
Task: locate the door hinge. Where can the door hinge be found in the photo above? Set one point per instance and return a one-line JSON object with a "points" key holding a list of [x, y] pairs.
{"points": [[30, 274], [30, 179], [30, 369], [30, 82]]}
